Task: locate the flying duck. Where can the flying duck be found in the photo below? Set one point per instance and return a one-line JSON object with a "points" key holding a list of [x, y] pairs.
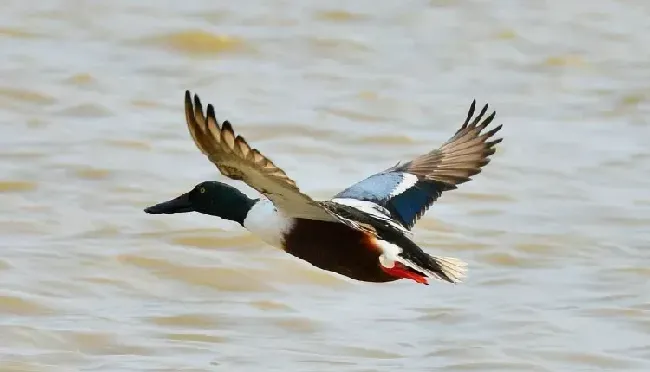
{"points": [[364, 231]]}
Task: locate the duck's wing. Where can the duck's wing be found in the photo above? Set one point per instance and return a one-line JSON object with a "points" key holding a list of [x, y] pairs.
{"points": [[397, 249], [405, 191], [237, 160]]}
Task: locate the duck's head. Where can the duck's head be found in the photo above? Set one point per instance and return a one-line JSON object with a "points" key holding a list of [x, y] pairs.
{"points": [[209, 197]]}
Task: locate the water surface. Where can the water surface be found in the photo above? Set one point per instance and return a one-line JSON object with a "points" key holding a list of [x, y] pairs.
{"points": [[555, 229]]}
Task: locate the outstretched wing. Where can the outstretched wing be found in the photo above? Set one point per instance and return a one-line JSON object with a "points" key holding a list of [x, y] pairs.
{"points": [[236, 159], [405, 191]]}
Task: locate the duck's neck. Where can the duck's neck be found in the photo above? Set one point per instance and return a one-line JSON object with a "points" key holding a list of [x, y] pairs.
{"points": [[233, 205], [269, 224]]}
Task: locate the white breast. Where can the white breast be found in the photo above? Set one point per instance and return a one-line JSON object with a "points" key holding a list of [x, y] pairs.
{"points": [[269, 224]]}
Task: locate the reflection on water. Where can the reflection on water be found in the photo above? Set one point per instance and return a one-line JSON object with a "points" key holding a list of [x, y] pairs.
{"points": [[554, 229]]}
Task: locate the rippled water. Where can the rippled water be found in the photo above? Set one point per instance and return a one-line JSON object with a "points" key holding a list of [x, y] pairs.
{"points": [[555, 229]]}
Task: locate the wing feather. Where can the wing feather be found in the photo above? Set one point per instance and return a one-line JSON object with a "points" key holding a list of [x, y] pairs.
{"points": [[235, 158], [454, 162]]}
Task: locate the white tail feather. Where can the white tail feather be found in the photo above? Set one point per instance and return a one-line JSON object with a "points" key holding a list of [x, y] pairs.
{"points": [[455, 269]]}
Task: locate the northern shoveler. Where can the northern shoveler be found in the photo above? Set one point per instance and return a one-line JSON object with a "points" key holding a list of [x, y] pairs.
{"points": [[364, 231]]}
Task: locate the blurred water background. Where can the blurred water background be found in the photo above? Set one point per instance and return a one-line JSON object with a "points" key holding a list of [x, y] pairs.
{"points": [[555, 229]]}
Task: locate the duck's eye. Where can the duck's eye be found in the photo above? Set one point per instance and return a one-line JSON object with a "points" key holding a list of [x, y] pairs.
{"points": [[202, 190]]}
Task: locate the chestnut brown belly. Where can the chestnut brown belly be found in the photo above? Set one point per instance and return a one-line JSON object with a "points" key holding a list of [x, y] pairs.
{"points": [[336, 247]]}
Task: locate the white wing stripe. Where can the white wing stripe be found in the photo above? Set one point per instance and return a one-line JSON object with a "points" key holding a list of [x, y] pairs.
{"points": [[365, 206], [372, 209], [408, 181]]}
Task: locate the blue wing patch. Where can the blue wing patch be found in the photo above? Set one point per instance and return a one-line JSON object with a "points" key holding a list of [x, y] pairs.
{"points": [[375, 188], [413, 196], [410, 204]]}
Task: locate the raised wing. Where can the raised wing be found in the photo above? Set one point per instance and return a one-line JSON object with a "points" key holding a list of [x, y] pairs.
{"points": [[236, 159], [406, 191]]}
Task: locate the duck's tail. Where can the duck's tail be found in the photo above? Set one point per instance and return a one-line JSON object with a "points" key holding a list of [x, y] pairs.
{"points": [[415, 264], [449, 269]]}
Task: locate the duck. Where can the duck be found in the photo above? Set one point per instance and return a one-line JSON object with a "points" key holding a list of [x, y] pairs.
{"points": [[363, 232]]}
